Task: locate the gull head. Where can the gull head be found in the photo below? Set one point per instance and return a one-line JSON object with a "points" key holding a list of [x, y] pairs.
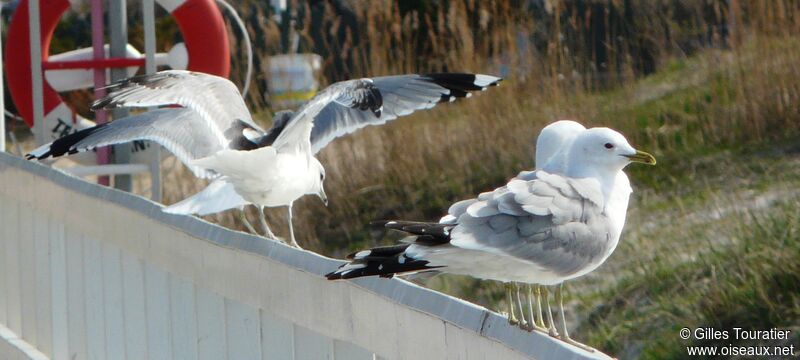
{"points": [[552, 143], [317, 187], [604, 149]]}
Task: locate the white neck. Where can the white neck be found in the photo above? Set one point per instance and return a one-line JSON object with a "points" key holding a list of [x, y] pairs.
{"points": [[579, 168]]}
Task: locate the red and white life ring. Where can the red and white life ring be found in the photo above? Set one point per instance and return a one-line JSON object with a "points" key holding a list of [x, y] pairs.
{"points": [[199, 21]]}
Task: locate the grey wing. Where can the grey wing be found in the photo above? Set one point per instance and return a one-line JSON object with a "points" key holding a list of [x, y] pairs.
{"points": [[279, 122], [215, 99], [545, 221], [181, 131], [347, 106]]}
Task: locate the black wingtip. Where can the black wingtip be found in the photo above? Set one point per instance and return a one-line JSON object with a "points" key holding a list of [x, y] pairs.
{"points": [[461, 84], [101, 104], [378, 223], [385, 261], [65, 145], [429, 233]]}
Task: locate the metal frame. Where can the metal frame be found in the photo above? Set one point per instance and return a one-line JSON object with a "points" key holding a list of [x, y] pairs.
{"points": [[99, 63], [101, 116], [118, 36], [35, 40], [148, 12], [2, 93]]}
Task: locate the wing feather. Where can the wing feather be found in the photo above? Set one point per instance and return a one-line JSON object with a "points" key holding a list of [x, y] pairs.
{"points": [[347, 106], [180, 130], [215, 99], [560, 230]]}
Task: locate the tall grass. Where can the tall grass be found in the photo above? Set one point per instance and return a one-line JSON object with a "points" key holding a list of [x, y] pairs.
{"points": [[747, 276], [677, 77]]}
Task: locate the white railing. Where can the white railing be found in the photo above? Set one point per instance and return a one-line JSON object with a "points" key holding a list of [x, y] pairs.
{"points": [[88, 272]]}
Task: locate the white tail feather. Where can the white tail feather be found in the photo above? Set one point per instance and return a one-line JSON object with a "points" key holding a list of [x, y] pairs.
{"points": [[218, 196]]}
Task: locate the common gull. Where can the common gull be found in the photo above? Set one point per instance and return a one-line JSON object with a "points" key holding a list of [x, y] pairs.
{"points": [[544, 230], [215, 136]]}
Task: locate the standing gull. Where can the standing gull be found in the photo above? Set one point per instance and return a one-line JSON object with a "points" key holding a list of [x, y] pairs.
{"points": [[566, 132], [544, 230], [552, 146], [215, 136]]}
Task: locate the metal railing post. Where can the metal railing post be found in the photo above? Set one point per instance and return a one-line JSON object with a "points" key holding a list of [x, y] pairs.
{"points": [[148, 12], [118, 34], [98, 52], [2, 94], [35, 40]]}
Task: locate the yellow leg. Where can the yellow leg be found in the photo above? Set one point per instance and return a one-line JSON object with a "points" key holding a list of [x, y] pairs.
{"points": [[564, 334], [243, 217], [292, 242], [535, 308], [263, 218], [523, 323], [512, 319], [551, 329], [540, 317]]}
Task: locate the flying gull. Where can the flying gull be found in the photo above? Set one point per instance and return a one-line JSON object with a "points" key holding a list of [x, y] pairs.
{"points": [[544, 230], [215, 136]]}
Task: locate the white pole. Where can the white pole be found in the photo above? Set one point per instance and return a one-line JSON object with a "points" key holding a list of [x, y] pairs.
{"points": [[2, 93], [118, 35], [36, 71], [100, 116], [148, 12]]}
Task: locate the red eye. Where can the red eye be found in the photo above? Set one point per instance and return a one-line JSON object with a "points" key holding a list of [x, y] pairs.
{"points": [[609, 145]]}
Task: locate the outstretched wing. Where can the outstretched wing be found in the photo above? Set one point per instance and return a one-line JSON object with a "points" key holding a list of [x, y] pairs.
{"points": [[347, 106], [215, 99], [180, 130]]}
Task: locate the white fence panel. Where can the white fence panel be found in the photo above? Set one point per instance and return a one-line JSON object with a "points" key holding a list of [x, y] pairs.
{"points": [[113, 304], [93, 273], [6, 218], [41, 258], [134, 307], [184, 320], [27, 273], [211, 344], [76, 308], [277, 337], [159, 333], [243, 329], [58, 295], [93, 300]]}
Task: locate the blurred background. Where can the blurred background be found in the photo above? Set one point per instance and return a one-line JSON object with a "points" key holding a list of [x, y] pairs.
{"points": [[710, 87]]}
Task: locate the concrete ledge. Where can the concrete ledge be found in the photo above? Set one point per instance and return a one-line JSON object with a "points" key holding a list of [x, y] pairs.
{"points": [[12, 347], [193, 257]]}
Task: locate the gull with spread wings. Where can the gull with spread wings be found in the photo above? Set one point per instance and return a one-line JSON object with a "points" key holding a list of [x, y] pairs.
{"points": [[213, 133]]}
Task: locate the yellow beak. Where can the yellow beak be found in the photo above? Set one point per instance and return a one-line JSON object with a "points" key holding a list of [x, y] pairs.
{"points": [[323, 196], [642, 157]]}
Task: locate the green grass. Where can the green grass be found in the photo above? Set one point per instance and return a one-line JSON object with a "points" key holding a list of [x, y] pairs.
{"points": [[712, 228], [751, 280], [721, 251]]}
